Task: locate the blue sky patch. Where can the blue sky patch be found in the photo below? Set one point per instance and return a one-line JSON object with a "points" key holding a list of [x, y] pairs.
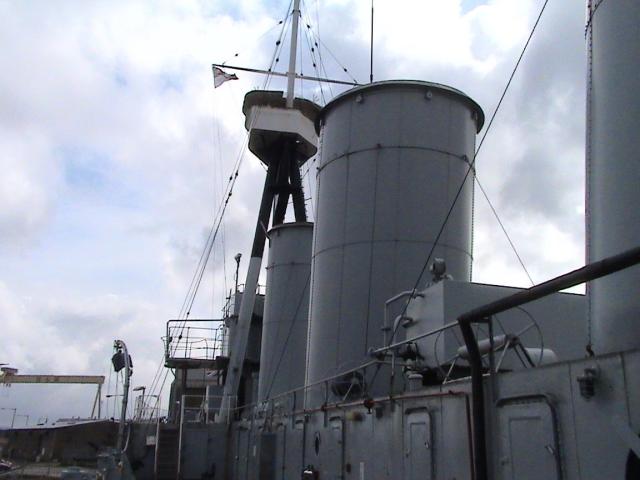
{"points": [[91, 175], [120, 79], [171, 81], [84, 168], [468, 5]]}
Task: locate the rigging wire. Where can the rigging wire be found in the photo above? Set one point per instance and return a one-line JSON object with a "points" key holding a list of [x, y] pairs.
{"points": [[188, 303], [322, 66], [471, 168], [281, 40], [317, 41], [281, 318], [288, 337], [316, 45], [217, 159], [264, 34], [218, 197], [344, 68], [504, 230], [300, 62], [196, 279], [204, 258], [156, 376], [312, 53]]}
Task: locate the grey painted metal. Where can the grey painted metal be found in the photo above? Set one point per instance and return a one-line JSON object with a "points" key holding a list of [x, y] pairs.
{"points": [[587, 273], [408, 83], [286, 138], [269, 125], [242, 453], [267, 448], [203, 451], [418, 446], [241, 340], [284, 326], [255, 331], [392, 159], [555, 322], [279, 457], [539, 426], [294, 448], [613, 170], [527, 430], [291, 74]]}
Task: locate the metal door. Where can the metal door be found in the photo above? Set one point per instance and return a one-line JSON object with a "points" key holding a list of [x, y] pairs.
{"points": [[528, 440], [417, 446], [280, 451], [334, 455], [294, 454], [242, 454], [268, 457]]}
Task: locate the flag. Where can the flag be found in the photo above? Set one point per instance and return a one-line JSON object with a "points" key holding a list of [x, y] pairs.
{"points": [[220, 76]]}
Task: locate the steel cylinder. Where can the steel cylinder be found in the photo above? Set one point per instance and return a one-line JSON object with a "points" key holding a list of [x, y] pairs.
{"points": [[286, 310], [393, 156], [613, 170]]}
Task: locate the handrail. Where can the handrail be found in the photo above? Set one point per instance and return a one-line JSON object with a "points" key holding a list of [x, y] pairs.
{"points": [[186, 341], [386, 327], [377, 351], [306, 387]]}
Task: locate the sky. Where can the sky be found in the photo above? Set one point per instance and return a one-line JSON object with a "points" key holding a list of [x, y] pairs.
{"points": [[115, 151]]}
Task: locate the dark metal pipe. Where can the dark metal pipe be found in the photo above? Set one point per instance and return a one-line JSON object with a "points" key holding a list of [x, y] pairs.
{"points": [[477, 401], [470, 438], [587, 273]]}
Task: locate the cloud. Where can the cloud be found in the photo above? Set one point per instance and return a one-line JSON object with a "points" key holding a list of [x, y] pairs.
{"points": [[28, 184], [74, 336], [116, 152]]}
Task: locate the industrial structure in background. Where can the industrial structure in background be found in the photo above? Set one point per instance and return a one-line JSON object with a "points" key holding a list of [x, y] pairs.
{"points": [[10, 376], [370, 353]]}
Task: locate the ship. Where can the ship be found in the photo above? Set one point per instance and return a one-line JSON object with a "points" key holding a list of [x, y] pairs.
{"points": [[370, 353]]}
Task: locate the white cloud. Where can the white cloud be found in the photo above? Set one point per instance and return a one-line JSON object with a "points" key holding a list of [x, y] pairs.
{"points": [[28, 184], [128, 86]]}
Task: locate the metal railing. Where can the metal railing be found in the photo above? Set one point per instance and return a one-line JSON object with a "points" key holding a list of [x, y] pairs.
{"points": [[200, 408], [192, 339], [355, 384]]}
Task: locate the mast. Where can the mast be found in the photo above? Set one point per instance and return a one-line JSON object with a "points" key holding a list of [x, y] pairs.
{"points": [[291, 74], [283, 138], [371, 48]]}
